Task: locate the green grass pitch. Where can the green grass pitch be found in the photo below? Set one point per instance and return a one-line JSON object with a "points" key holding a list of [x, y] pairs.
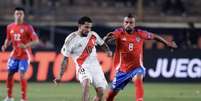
{"points": [[72, 92]]}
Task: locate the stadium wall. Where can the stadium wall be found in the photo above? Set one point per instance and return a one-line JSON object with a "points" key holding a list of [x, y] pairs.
{"points": [[161, 66]]}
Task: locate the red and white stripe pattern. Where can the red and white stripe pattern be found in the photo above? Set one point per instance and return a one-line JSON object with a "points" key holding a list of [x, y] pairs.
{"points": [[87, 51]]}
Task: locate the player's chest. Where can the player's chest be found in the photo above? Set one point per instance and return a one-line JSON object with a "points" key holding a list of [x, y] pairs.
{"points": [[18, 33], [80, 43], [134, 39], [130, 43], [84, 41]]}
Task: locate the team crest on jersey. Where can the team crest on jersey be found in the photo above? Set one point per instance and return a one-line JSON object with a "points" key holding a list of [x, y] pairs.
{"points": [[21, 30], [138, 39]]}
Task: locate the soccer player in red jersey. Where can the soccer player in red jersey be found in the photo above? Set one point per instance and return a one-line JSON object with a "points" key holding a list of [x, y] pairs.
{"points": [[23, 37], [128, 56]]}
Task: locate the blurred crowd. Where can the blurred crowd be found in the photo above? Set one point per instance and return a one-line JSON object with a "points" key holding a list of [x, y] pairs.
{"points": [[167, 7], [189, 39], [182, 44]]}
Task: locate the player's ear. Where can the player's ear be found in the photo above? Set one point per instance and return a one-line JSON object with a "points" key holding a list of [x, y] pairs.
{"points": [[79, 25]]}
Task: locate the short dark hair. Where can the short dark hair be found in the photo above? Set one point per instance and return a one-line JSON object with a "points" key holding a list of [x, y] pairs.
{"points": [[84, 19], [130, 15], [19, 9]]}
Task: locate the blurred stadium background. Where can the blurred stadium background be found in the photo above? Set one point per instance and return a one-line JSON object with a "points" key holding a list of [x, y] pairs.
{"points": [[171, 75]]}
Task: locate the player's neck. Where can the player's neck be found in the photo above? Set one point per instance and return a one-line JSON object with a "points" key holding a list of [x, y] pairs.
{"points": [[81, 33], [129, 33], [19, 22]]}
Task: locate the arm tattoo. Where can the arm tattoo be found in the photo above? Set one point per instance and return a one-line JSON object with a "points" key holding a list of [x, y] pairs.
{"points": [[109, 38], [105, 47], [63, 66]]}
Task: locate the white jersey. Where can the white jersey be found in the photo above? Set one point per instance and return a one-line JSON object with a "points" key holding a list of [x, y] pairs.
{"points": [[75, 46]]}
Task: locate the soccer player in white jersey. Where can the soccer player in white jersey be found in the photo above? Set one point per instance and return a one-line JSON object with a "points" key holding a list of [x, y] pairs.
{"points": [[80, 45]]}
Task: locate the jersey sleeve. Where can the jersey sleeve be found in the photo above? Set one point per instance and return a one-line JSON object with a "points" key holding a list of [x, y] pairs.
{"points": [[67, 46], [32, 33], [99, 40], [8, 37], [146, 35]]}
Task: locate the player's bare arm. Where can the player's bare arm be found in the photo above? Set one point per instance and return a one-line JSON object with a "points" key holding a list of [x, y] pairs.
{"points": [[109, 38], [5, 45], [62, 69], [106, 49], [30, 44], [171, 44]]}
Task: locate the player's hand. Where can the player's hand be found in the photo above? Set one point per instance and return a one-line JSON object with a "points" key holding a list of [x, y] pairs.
{"points": [[23, 46], [109, 53], [3, 48], [108, 35], [57, 81], [109, 38], [172, 44]]}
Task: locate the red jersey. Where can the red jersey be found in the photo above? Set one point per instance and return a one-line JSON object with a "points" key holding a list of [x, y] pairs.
{"points": [[129, 48], [20, 34]]}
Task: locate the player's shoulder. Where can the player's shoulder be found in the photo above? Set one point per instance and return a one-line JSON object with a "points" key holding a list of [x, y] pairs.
{"points": [[71, 36], [27, 24], [119, 29], [11, 24], [138, 29], [93, 33]]}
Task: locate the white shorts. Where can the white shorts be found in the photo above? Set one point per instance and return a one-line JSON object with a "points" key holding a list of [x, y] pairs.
{"points": [[95, 74]]}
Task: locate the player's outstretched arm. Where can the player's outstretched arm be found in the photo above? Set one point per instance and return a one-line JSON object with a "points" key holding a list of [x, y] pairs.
{"points": [[171, 44], [62, 69], [5, 45], [109, 37]]}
